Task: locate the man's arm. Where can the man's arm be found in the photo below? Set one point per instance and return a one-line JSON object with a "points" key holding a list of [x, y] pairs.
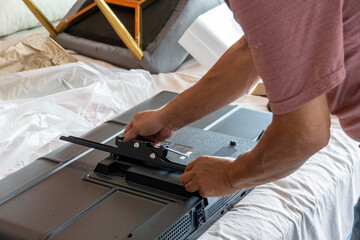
{"points": [[231, 77], [287, 143]]}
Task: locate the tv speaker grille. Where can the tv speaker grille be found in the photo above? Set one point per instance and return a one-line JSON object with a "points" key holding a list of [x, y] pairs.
{"points": [[178, 230]]}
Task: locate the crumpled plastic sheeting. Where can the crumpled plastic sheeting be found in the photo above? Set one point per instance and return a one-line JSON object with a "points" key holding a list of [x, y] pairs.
{"points": [[36, 51], [38, 106]]}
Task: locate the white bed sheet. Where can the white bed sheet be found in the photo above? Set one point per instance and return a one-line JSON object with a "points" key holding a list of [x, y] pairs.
{"points": [[316, 202]]}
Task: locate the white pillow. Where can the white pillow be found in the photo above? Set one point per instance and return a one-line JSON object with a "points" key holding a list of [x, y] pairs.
{"points": [[15, 16]]}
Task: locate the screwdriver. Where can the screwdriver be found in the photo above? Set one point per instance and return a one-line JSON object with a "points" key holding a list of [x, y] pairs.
{"points": [[176, 152]]}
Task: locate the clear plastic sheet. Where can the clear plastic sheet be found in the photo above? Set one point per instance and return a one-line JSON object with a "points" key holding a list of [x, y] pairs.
{"points": [[38, 106]]}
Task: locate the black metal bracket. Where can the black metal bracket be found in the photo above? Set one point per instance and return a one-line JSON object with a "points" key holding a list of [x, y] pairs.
{"points": [[138, 149]]}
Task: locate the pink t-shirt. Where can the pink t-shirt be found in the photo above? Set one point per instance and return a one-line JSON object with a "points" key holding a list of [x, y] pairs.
{"points": [[303, 49]]}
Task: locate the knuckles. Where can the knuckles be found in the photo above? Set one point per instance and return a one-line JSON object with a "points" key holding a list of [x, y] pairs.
{"points": [[187, 188]]}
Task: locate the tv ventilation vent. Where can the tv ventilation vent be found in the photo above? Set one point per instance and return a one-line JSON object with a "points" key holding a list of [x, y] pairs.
{"points": [[178, 230]]}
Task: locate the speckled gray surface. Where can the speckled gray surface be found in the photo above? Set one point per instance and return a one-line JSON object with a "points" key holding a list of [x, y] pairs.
{"points": [[206, 143]]}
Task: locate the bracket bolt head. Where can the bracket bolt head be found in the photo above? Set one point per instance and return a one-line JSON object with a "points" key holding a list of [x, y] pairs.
{"points": [[233, 143]]}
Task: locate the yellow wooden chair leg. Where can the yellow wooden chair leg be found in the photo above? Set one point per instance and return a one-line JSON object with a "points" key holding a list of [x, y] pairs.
{"points": [[120, 29], [138, 25], [41, 17]]}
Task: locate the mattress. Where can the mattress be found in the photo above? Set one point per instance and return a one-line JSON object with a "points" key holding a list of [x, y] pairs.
{"points": [[315, 202]]}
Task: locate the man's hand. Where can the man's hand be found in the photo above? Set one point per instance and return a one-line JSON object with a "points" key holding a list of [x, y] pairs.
{"points": [[231, 77], [209, 176], [149, 124]]}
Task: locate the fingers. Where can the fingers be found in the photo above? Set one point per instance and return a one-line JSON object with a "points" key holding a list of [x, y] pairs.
{"points": [[130, 134], [191, 186], [154, 141], [190, 182], [204, 195], [128, 127], [132, 129], [189, 166], [162, 135], [185, 178]]}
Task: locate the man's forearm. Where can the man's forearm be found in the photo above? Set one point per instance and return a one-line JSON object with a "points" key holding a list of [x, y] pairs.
{"points": [[287, 143], [231, 77]]}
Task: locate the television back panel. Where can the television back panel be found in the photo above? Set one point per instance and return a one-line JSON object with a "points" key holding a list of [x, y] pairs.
{"points": [[61, 196]]}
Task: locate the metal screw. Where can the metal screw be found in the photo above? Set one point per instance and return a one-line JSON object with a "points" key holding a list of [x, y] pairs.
{"points": [[152, 155], [136, 145], [233, 143]]}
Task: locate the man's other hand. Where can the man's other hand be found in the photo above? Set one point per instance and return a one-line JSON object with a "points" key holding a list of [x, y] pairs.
{"points": [[149, 124], [209, 176]]}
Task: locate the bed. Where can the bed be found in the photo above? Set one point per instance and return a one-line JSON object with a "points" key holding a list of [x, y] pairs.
{"points": [[315, 202]]}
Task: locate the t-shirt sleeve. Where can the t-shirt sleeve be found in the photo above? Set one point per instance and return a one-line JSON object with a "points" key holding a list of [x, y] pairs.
{"points": [[297, 47]]}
